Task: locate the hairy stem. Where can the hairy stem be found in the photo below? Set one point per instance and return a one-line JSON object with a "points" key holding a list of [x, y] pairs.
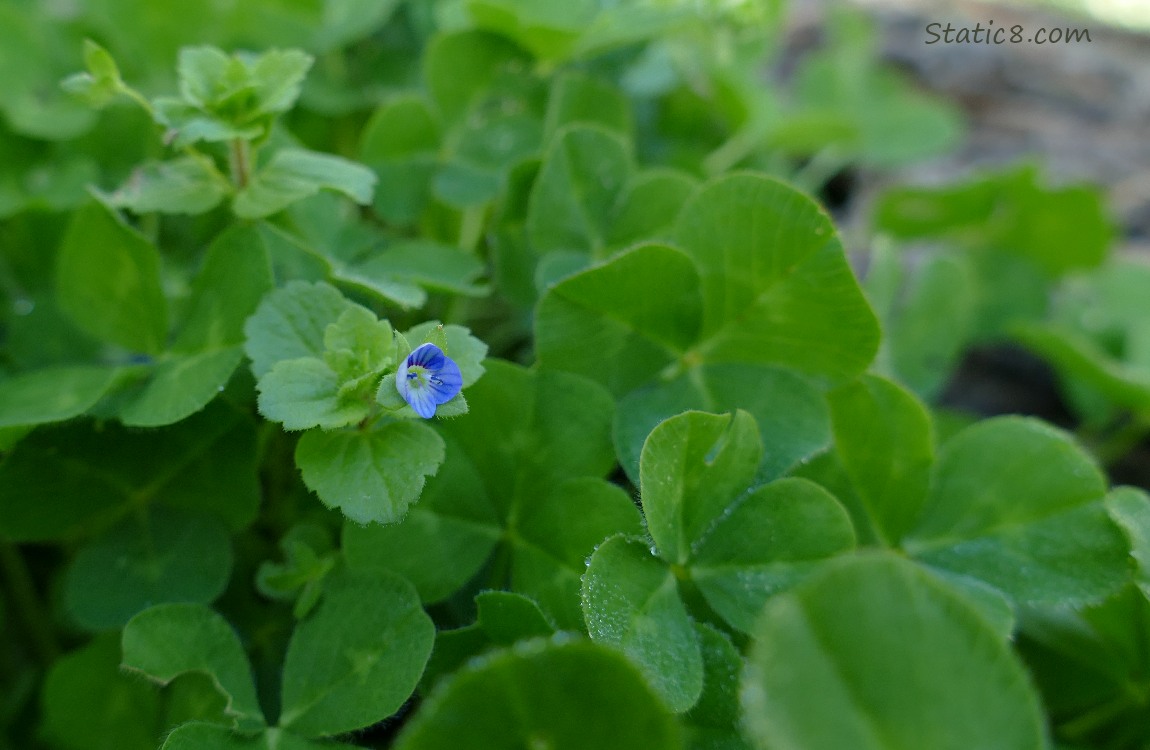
{"points": [[240, 159]]}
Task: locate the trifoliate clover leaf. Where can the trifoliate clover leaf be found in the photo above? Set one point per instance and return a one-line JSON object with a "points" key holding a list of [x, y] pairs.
{"points": [[101, 82], [224, 97]]}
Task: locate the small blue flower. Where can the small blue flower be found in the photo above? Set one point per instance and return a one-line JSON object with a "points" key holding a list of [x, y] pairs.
{"points": [[428, 378]]}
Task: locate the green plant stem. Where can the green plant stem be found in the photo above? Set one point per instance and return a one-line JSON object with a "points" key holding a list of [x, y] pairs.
{"points": [[240, 161], [732, 151], [471, 227], [28, 608], [138, 98], [824, 165]]}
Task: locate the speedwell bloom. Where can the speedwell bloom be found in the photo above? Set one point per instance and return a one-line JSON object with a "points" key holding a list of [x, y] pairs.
{"points": [[428, 378]]}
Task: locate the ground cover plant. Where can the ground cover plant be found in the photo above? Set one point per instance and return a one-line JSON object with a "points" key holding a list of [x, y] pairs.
{"points": [[490, 373]]}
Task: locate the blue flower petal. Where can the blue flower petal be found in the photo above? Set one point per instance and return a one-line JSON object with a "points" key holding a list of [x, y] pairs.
{"points": [[450, 382], [439, 379], [427, 355], [422, 401]]}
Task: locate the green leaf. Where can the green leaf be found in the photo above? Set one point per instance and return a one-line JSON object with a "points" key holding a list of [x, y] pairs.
{"points": [[187, 124], [58, 482], [308, 558], [874, 654], [167, 556], [1015, 503], [543, 692], [1078, 358], [995, 607], [692, 469], [549, 31], [89, 704], [277, 77], [372, 476], [886, 443], [579, 98], [792, 415], [168, 640], [290, 323], [776, 285], [357, 658], [459, 67], [101, 83], [444, 538], [463, 186], [630, 601], [202, 736], [348, 22], [538, 489], [554, 426], [430, 265], [767, 542], [401, 143], [235, 276], [1130, 509], [207, 74], [506, 617], [582, 173], [648, 205], [1086, 660], [714, 722], [1058, 229], [555, 530], [186, 185], [623, 321], [180, 385], [931, 323], [358, 344], [294, 174], [108, 281], [53, 394]]}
